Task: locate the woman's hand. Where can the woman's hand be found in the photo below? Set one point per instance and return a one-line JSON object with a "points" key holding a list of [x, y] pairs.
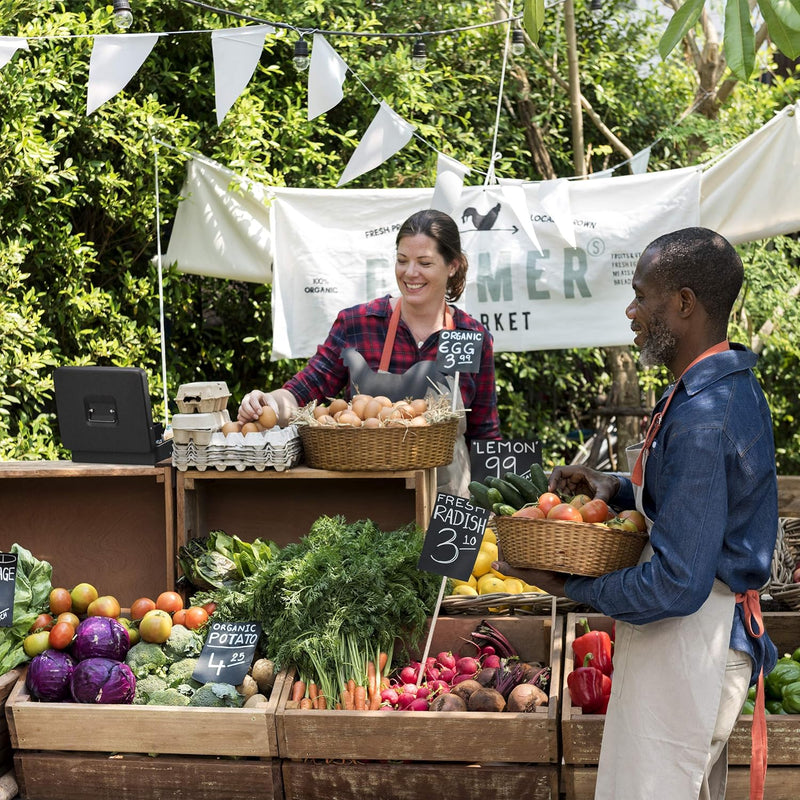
{"points": [[252, 403], [577, 479]]}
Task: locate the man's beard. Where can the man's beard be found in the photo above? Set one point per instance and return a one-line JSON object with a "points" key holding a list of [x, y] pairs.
{"points": [[660, 346]]}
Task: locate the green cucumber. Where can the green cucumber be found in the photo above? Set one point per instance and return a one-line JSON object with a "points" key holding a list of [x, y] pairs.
{"points": [[530, 494], [503, 509], [481, 494], [494, 497], [539, 479], [510, 495]]}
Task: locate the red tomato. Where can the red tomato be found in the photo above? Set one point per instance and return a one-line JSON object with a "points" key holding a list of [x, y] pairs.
{"points": [[636, 517], [579, 500], [62, 635], [547, 501], [169, 602], [594, 511], [196, 617], [565, 512], [44, 622], [531, 512], [141, 606], [179, 617], [210, 608]]}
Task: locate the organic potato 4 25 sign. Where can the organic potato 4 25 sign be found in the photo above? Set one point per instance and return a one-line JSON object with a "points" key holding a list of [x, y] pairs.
{"points": [[228, 650]]}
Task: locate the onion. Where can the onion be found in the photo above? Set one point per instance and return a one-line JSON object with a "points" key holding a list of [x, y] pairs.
{"points": [[526, 697]]}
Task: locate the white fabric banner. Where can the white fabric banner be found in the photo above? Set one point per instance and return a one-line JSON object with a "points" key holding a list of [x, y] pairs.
{"points": [[450, 176], [554, 197], [236, 52], [9, 45], [561, 297], [387, 134], [326, 75], [115, 59]]}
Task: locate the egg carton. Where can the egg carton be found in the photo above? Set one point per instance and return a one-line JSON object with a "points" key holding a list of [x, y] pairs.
{"points": [[202, 397], [198, 428], [277, 448]]}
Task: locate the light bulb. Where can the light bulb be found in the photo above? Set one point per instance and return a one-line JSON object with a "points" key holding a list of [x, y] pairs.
{"points": [[419, 55], [301, 58], [596, 8], [123, 18], [517, 42]]}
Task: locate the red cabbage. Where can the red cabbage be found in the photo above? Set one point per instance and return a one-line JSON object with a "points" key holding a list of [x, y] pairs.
{"points": [[102, 680], [49, 675], [101, 637]]}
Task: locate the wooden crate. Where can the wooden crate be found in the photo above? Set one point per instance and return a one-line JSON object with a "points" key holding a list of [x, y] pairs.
{"points": [[789, 495], [581, 733], [426, 736], [309, 780], [7, 683], [130, 776], [142, 729], [578, 782]]}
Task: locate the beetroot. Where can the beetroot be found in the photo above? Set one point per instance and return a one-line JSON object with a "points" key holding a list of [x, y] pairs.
{"points": [[448, 702], [486, 699]]}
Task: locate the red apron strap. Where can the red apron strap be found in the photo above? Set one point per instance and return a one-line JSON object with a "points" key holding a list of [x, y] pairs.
{"points": [[751, 605], [388, 344]]}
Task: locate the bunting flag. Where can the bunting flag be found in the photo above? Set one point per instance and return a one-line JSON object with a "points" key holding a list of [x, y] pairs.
{"points": [[8, 46], [387, 134], [236, 52], [605, 173], [639, 161], [450, 176], [115, 60], [514, 195], [554, 197], [325, 77]]}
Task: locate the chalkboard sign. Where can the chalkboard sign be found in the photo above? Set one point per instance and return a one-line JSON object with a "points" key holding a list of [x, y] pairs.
{"points": [[8, 577], [497, 457], [227, 653], [459, 351], [453, 537]]}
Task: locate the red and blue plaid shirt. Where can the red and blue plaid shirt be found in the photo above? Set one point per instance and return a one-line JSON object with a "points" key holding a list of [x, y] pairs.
{"points": [[364, 328]]}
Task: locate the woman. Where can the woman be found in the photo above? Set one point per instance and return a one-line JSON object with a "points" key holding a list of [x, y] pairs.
{"points": [[388, 345]]}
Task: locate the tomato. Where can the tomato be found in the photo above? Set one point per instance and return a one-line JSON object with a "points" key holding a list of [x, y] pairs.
{"points": [[35, 643], [42, 623], [179, 617], [133, 631], [60, 601], [169, 602], [82, 595], [155, 626], [141, 606], [636, 517], [622, 523], [196, 617], [547, 501], [212, 607], [68, 616], [105, 606], [579, 500], [594, 511], [530, 512], [565, 512], [62, 635]]}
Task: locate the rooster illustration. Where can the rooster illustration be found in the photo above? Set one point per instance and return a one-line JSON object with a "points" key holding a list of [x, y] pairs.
{"points": [[482, 222]]}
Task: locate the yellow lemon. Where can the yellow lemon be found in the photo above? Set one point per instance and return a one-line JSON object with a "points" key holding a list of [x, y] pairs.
{"points": [[473, 582], [498, 574], [513, 585], [483, 561], [489, 536], [529, 588], [465, 589], [489, 584]]}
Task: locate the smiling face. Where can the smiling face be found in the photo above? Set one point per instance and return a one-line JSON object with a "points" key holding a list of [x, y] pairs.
{"points": [[421, 271]]}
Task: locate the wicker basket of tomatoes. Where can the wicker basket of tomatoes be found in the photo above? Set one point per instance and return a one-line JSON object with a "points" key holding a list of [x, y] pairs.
{"points": [[783, 585], [562, 541]]}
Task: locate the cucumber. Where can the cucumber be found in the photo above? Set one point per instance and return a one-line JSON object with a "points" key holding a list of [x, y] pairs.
{"points": [[538, 478], [494, 497], [481, 494], [510, 495], [503, 509], [530, 494]]}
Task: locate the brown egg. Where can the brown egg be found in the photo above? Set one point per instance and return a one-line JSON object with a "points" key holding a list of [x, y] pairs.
{"points": [[371, 422], [372, 408], [232, 427], [365, 397], [419, 406], [383, 400], [418, 422], [388, 412], [405, 410], [320, 410], [337, 405], [250, 427], [358, 405], [326, 419], [268, 418], [347, 417]]}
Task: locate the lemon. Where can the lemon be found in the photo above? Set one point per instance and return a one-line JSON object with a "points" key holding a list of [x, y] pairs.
{"points": [[465, 589], [489, 584], [536, 589], [473, 582], [483, 561], [498, 574], [513, 586], [489, 536]]}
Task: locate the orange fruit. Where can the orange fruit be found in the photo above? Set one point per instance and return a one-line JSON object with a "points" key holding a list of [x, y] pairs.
{"points": [[169, 602]]}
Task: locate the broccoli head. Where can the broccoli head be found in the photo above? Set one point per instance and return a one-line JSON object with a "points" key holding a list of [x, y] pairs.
{"points": [[181, 673], [146, 686], [146, 658], [182, 643], [217, 695], [168, 697]]}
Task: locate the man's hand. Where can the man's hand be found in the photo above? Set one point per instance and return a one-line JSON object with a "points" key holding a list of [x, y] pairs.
{"points": [[546, 580], [577, 479]]}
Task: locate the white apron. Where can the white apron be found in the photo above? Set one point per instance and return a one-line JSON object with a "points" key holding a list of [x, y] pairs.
{"points": [[665, 695]]}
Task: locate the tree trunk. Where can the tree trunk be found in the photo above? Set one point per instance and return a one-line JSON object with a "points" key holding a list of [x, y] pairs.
{"points": [[625, 391], [533, 134]]}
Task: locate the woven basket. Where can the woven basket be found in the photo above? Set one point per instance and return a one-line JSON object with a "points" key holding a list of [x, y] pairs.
{"points": [[503, 602], [575, 547], [784, 561], [349, 449]]}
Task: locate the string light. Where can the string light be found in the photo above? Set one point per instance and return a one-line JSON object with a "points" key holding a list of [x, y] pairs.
{"points": [[517, 42], [123, 18], [419, 55], [301, 58]]}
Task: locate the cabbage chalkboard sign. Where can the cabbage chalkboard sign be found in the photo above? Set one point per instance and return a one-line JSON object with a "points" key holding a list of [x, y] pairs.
{"points": [[453, 537], [8, 576], [227, 653], [459, 351], [490, 457]]}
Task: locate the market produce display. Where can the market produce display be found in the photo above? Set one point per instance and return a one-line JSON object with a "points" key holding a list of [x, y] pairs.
{"points": [[368, 411], [782, 687], [589, 683]]}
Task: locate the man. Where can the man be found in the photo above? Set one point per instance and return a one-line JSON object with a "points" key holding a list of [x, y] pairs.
{"points": [[705, 480]]}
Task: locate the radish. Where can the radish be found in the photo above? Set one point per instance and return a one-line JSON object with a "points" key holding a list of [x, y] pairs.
{"points": [[418, 704], [461, 677], [447, 674], [446, 660], [487, 650], [467, 664], [410, 688], [390, 695], [409, 674], [405, 700], [387, 707], [423, 691], [439, 687], [492, 661], [432, 673]]}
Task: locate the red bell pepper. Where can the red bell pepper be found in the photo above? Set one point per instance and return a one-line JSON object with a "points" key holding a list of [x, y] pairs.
{"points": [[598, 643], [589, 688]]}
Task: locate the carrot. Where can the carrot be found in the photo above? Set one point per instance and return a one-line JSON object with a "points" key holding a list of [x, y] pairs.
{"points": [[298, 691], [360, 698], [313, 692], [306, 703], [351, 687], [321, 702], [347, 700], [382, 659], [375, 701], [372, 681]]}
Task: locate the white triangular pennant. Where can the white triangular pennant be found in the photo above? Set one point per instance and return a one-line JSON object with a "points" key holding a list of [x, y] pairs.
{"points": [[387, 134], [325, 77], [639, 161], [236, 52], [9, 45], [449, 183], [115, 60], [605, 173], [514, 195], [554, 197]]}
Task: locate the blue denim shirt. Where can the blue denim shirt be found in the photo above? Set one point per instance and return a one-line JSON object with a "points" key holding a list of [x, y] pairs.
{"points": [[711, 490]]}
